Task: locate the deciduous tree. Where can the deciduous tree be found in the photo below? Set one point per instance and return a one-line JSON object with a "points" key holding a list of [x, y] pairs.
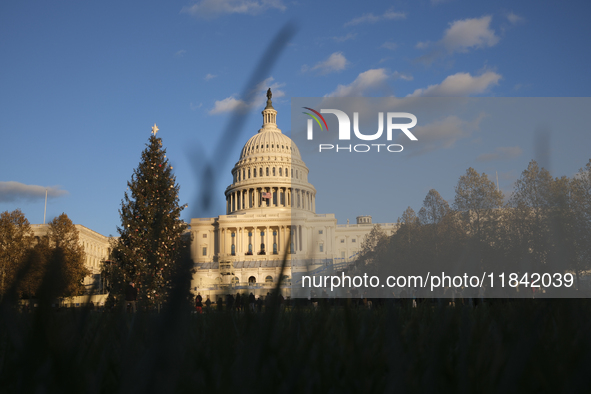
{"points": [[66, 258], [16, 239]]}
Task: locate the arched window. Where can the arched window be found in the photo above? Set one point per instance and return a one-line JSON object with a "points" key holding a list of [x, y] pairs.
{"points": [[233, 251], [269, 279], [274, 242], [280, 171], [249, 173], [235, 279], [254, 173], [249, 243], [261, 171], [273, 171], [252, 280], [262, 251], [267, 172]]}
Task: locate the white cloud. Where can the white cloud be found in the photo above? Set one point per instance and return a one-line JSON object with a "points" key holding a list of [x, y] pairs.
{"points": [[501, 153], [403, 76], [514, 19], [389, 45], [440, 134], [210, 76], [469, 33], [461, 36], [335, 62], [231, 104], [370, 79], [180, 53], [214, 8], [15, 191], [460, 84], [347, 37], [371, 18]]}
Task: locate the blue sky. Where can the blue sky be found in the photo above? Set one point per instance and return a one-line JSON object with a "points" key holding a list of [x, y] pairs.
{"points": [[82, 84]]}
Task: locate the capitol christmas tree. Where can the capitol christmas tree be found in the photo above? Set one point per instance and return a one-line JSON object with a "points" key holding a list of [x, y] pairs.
{"points": [[150, 243]]}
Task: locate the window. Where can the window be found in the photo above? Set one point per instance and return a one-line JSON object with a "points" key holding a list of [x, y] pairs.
{"points": [[273, 171], [267, 172], [249, 173], [262, 251], [249, 243], [205, 251], [261, 171], [321, 247], [280, 173], [204, 235], [353, 240], [342, 255], [269, 279], [233, 251], [342, 241], [320, 231]]}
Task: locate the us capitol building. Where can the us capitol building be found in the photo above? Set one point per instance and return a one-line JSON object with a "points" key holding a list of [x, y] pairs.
{"points": [[270, 216]]}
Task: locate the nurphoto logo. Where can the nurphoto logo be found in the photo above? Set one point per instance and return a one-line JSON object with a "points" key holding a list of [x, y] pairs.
{"points": [[345, 130]]}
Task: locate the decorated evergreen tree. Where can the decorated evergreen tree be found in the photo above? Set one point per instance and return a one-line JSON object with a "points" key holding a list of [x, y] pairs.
{"points": [[150, 242]]}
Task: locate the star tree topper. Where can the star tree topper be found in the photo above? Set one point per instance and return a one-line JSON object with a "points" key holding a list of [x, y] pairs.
{"points": [[154, 129]]}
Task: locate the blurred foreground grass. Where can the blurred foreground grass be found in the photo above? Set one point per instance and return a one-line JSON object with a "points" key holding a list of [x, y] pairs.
{"points": [[504, 346]]}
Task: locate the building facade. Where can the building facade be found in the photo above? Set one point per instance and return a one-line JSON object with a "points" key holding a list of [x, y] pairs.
{"points": [[96, 250]]}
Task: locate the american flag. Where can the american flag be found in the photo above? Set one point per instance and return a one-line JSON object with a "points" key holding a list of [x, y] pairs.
{"points": [[266, 195]]}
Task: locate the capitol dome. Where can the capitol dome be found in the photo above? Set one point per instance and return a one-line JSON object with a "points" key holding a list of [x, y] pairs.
{"points": [[268, 141], [270, 173]]}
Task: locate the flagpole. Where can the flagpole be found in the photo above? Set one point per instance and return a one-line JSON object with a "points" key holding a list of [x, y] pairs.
{"points": [[45, 210]]}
